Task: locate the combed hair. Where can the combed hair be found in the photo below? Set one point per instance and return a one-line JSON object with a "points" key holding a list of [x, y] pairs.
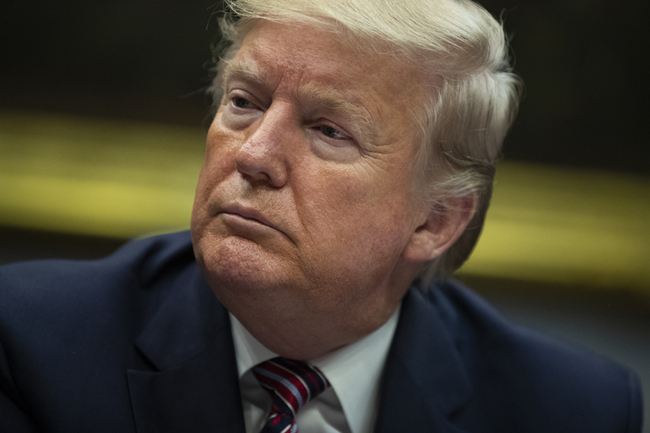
{"points": [[454, 42]]}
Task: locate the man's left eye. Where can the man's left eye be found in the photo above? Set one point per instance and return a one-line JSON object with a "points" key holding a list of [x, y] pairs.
{"points": [[331, 132]]}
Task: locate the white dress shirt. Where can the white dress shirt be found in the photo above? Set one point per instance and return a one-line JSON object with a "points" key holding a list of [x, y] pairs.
{"points": [[354, 371]]}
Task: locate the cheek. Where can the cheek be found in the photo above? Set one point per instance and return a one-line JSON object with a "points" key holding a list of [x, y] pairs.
{"points": [[219, 154], [218, 164], [354, 216], [362, 199]]}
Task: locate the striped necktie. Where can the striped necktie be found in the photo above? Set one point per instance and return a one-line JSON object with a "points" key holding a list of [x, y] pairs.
{"points": [[291, 384]]}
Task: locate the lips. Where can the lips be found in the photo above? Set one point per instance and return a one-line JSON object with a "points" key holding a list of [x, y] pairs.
{"points": [[250, 215]]}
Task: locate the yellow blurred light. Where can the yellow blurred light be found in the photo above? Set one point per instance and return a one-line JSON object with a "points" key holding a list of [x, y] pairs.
{"points": [[120, 179]]}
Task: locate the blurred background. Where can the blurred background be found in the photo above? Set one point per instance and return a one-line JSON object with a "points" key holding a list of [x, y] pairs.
{"points": [[103, 118]]}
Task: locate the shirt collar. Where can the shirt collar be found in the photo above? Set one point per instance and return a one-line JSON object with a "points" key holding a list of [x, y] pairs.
{"points": [[248, 350], [354, 371]]}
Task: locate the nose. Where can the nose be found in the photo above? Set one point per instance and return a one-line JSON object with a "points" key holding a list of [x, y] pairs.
{"points": [[263, 155]]}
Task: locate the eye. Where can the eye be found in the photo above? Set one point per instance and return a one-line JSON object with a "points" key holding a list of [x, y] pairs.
{"points": [[242, 103], [331, 132], [240, 110]]}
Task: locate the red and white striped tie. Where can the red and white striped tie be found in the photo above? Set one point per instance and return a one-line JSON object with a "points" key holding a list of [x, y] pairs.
{"points": [[291, 384]]}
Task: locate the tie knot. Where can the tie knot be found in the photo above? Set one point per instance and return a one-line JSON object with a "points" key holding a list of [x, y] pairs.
{"points": [[291, 384]]}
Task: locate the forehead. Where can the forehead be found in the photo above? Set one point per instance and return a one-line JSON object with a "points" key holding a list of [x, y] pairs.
{"points": [[296, 60], [299, 48]]}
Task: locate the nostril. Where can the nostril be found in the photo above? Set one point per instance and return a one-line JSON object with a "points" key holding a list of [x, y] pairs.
{"points": [[251, 172], [259, 166]]}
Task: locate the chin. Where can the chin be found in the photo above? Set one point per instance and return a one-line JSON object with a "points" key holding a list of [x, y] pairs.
{"points": [[241, 266]]}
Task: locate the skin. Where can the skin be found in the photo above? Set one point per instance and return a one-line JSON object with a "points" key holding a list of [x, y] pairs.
{"points": [[305, 221]]}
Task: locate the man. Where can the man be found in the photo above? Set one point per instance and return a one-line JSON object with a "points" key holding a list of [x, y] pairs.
{"points": [[352, 153]]}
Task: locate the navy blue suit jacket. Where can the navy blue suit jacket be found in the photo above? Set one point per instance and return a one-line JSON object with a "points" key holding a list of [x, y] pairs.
{"points": [[137, 342]]}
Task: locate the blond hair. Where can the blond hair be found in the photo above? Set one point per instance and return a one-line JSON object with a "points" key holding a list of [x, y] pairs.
{"points": [[462, 126]]}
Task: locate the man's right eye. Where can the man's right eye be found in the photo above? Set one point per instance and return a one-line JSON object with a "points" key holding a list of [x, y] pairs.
{"points": [[240, 102]]}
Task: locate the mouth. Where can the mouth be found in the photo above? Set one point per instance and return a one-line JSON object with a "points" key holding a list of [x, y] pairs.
{"points": [[238, 214]]}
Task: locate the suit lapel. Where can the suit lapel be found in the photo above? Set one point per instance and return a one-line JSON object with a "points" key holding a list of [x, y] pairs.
{"points": [[424, 382], [193, 386]]}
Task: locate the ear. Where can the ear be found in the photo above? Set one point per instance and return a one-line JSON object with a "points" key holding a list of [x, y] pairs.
{"points": [[441, 228]]}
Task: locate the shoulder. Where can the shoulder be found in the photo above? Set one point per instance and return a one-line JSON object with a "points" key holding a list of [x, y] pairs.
{"points": [[71, 328], [531, 377], [139, 262], [46, 300], [142, 256]]}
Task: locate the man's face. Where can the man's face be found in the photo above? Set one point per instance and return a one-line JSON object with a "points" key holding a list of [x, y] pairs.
{"points": [[305, 201]]}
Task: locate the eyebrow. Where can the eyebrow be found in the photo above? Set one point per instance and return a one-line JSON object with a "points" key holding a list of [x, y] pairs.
{"points": [[240, 69], [312, 93], [332, 100]]}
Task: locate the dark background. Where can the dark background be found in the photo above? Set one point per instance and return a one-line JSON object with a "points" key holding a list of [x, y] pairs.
{"points": [[583, 62]]}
